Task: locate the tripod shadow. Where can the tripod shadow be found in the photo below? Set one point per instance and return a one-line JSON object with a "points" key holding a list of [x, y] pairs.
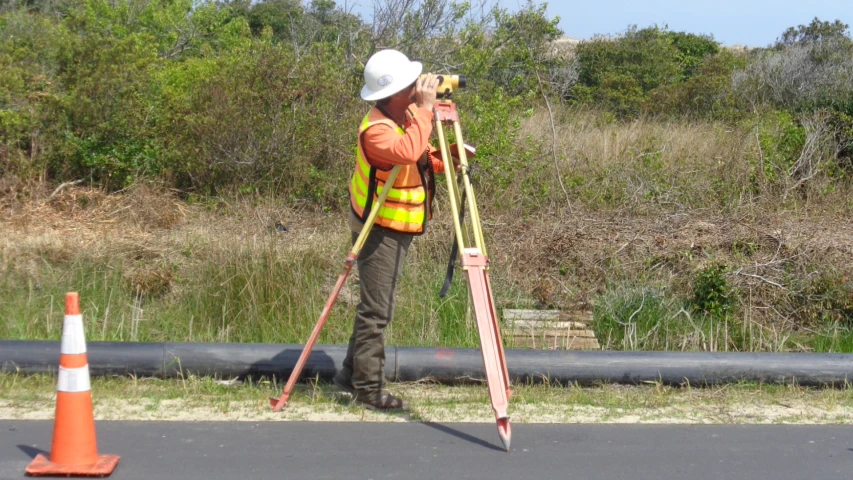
{"points": [[463, 436], [32, 451]]}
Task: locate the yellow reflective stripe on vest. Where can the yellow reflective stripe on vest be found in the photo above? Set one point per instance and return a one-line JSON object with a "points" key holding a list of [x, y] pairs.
{"points": [[366, 123], [394, 214], [412, 195]]}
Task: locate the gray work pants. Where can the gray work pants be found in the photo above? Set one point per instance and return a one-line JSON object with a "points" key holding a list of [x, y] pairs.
{"points": [[379, 266]]}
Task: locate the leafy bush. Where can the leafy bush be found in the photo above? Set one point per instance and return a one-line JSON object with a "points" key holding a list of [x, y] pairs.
{"points": [[781, 139], [28, 86], [706, 94], [692, 51], [797, 150], [712, 294], [261, 95], [824, 298], [261, 116], [83, 105], [518, 50], [619, 73], [105, 106], [648, 318]]}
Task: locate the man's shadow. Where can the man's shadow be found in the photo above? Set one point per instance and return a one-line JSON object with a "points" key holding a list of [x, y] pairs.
{"points": [[322, 364]]}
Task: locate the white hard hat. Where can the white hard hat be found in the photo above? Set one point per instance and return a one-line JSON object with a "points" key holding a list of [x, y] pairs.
{"points": [[386, 73]]}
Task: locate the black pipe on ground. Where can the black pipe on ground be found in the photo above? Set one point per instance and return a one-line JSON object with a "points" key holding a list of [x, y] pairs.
{"points": [[445, 365]]}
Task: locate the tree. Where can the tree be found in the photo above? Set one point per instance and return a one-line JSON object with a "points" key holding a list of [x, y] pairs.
{"points": [[815, 32], [280, 15]]}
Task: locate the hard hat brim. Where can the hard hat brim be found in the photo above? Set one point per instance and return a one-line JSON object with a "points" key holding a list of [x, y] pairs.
{"points": [[410, 73]]}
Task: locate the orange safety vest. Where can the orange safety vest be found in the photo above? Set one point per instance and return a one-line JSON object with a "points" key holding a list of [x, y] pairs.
{"points": [[405, 209]]}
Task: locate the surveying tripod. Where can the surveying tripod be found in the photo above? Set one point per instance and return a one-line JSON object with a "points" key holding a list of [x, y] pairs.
{"points": [[475, 263]]}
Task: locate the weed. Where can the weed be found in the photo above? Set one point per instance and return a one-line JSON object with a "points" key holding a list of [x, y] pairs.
{"points": [[712, 294]]}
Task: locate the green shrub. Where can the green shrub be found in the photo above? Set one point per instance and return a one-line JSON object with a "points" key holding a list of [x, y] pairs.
{"points": [[648, 318], [518, 46], [712, 294], [184, 91], [262, 115], [706, 94], [83, 94], [619, 73], [103, 132], [29, 54], [692, 51], [781, 140], [619, 92]]}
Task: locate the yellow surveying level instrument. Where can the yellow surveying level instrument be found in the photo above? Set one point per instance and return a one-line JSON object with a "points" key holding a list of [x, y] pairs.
{"points": [[472, 252]]}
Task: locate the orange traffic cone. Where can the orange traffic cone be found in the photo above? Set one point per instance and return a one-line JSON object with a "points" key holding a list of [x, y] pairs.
{"points": [[74, 451]]}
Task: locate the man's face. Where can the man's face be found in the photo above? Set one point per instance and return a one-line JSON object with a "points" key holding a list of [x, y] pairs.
{"points": [[404, 97], [411, 91]]}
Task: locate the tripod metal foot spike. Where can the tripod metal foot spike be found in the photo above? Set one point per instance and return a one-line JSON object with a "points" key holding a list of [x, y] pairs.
{"points": [[505, 432]]}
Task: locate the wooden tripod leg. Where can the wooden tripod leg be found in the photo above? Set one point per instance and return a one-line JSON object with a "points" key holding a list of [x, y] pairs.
{"points": [[475, 264]]}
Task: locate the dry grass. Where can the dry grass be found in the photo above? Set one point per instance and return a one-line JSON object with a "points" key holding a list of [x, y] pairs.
{"points": [[653, 203], [193, 399], [648, 166]]}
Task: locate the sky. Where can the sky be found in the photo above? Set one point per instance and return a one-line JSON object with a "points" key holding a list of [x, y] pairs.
{"points": [[751, 23]]}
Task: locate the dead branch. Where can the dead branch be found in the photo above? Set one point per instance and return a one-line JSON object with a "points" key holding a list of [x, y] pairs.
{"points": [[760, 278], [554, 143], [63, 187]]}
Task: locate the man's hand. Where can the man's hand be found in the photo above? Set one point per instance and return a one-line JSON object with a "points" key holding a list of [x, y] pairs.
{"points": [[425, 91], [454, 154], [456, 164]]}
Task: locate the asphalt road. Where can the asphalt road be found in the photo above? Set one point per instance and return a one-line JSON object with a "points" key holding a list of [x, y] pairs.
{"points": [[301, 450]]}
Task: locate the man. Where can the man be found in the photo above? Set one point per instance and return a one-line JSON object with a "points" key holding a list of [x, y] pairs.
{"points": [[395, 131]]}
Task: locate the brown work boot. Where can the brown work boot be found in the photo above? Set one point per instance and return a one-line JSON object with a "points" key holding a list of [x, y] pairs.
{"points": [[381, 402], [343, 380]]}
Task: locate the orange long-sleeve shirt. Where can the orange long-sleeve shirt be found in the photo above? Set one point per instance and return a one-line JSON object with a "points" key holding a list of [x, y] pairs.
{"points": [[385, 147]]}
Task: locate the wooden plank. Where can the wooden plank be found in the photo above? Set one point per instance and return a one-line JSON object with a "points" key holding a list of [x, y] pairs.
{"points": [[549, 332], [583, 316], [537, 324], [554, 343], [549, 329], [512, 315], [581, 344], [531, 315]]}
